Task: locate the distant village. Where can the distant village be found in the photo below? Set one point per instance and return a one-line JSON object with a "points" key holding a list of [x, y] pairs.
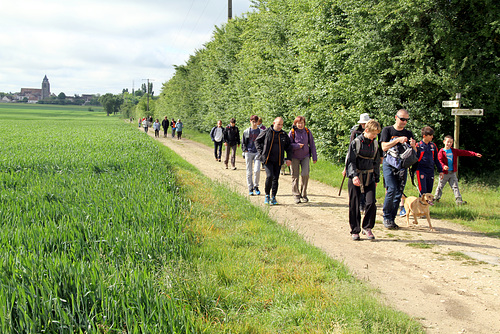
{"points": [[43, 95]]}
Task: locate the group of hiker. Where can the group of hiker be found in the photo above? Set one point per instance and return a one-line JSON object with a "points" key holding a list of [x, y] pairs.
{"points": [[267, 147], [394, 147], [175, 127]]}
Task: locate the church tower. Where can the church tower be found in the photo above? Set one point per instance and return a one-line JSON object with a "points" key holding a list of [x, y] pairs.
{"points": [[45, 88]]}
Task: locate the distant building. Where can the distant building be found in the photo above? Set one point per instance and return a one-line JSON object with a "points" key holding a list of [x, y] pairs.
{"points": [[33, 95], [45, 88]]}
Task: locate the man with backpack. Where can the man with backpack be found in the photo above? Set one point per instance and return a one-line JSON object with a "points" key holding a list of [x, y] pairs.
{"points": [[395, 136]]}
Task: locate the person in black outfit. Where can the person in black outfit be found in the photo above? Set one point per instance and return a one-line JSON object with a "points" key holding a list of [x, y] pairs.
{"points": [[363, 170], [165, 124], [271, 145], [232, 142]]}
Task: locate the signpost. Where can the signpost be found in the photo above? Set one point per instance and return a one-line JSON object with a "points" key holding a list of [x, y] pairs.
{"points": [[460, 112]]}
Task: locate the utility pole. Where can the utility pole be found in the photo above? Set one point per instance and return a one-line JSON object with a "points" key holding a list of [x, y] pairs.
{"points": [[229, 9]]}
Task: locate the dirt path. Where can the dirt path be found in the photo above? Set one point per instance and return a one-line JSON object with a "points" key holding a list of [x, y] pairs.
{"points": [[446, 293]]}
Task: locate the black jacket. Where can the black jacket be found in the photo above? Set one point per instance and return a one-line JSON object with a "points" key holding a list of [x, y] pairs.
{"points": [[231, 135], [366, 159], [265, 140]]}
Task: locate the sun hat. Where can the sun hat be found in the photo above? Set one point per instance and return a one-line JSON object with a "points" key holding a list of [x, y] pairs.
{"points": [[364, 118]]}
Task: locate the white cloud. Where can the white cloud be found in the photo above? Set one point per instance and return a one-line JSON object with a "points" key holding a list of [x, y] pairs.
{"points": [[102, 46]]}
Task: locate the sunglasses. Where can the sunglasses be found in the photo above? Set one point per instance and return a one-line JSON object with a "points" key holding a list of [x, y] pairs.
{"points": [[403, 119]]}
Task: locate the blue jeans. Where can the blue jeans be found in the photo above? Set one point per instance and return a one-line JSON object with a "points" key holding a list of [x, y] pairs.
{"points": [[218, 149], [394, 185]]}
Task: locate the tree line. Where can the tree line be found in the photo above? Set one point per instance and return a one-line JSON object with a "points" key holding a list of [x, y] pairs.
{"points": [[331, 60]]}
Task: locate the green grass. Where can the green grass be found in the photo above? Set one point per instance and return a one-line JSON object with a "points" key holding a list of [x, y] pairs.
{"points": [[421, 245], [105, 230], [89, 219]]}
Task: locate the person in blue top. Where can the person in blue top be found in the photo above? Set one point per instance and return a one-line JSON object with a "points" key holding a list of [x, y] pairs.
{"points": [[178, 129], [427, 153], [448, 157]]}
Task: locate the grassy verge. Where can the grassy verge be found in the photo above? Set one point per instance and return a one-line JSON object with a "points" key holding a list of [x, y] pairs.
{"points": [[481, 214], [247, 274]]}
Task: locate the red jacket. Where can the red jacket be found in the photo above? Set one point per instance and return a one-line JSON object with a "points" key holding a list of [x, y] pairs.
{"points": [[456, 153]]}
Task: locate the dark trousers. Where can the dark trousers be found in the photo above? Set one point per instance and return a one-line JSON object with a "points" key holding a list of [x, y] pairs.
{"points": [[370, 208], [157, 133], [173, 132], [425, 182], [273, 169], [218, 149]]}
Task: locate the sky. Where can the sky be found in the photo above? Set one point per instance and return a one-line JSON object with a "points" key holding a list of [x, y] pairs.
{"points": [[103, 46]]}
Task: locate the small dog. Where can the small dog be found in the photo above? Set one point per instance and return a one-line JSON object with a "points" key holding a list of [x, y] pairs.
{"points": [[418, 207]]}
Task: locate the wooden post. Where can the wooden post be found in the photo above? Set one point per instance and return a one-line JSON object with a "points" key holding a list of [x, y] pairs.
{"points": [[457, 127], [229, 9]]}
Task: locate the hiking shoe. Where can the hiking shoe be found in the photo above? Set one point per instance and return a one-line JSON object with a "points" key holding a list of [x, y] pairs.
{"points": [[267, 199], [369, 234], [402, 212], [390, 225], [305, 199], [355, 237], [273, 201], [256, 191], [297, 200]]}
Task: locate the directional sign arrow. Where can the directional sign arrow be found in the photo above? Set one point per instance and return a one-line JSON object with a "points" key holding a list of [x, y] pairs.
{"points": [[467, 112], [451, 104]]}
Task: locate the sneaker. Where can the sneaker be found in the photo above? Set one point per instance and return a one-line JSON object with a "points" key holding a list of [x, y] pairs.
{"points": [[391, 225], [305, 199], [297, 200], [369, 234], [256, 191], [273, 201], [355, 237], [461, 202], [234, 167], [250, 193], [267, 199], [402, 212], [227, 166]]}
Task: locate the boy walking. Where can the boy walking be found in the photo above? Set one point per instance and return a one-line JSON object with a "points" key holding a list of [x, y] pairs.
{"points": [[427, 153], [250, 153], [448, 158]]}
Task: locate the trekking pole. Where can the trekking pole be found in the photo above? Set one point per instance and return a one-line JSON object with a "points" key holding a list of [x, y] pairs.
{"points": [[340, 190]]}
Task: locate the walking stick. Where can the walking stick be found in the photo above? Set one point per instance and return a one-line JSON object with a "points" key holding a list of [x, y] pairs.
{"points": [[340, 190]]}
